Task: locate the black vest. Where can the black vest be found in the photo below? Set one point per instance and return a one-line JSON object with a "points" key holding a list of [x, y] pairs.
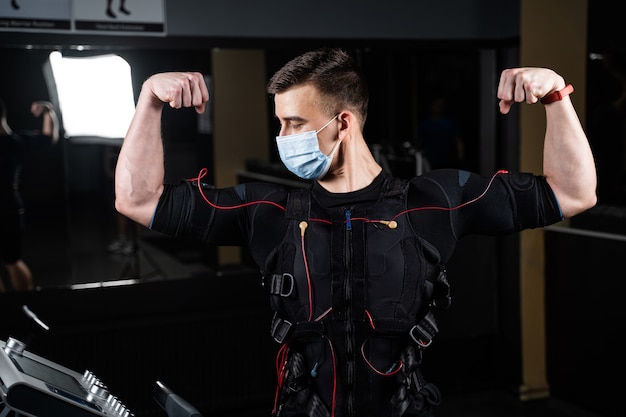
{"points": [[352, 288]]}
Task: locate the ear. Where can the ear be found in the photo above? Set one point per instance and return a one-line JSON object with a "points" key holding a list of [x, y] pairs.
{"points": [[347, 123]]}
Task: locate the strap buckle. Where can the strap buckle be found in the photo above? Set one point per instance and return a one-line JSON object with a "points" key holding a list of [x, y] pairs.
{"points": [[280, 328], [279, 284], [424, 332]]}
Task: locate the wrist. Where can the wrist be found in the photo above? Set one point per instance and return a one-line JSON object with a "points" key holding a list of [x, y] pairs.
{"points": [[557, 95]]}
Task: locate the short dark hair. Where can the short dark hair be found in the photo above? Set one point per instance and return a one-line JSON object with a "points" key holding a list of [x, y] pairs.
{"points": [[333, 72]]}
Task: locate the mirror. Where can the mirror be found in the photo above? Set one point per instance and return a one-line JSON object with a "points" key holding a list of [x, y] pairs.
{"points": [[68, 189]]}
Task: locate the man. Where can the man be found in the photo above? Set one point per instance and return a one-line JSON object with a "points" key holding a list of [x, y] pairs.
{"points": [[354, 263], [13, 146]]}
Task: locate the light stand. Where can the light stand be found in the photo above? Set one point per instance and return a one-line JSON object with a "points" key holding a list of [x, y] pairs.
{"points": [[132, 266]]}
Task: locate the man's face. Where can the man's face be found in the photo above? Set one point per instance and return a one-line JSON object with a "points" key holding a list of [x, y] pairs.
{"points": [[297, 112]]}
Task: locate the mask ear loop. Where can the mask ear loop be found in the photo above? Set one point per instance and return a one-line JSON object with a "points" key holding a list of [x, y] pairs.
{"points": [[332, 152], [327, 123]]}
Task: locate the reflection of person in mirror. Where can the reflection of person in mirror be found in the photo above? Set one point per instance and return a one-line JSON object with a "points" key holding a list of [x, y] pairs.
{"points": [[353, 263], [13, 146], [123, 9]]}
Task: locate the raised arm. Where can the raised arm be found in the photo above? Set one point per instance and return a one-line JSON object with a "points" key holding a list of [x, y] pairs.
{"points": [[568, 163], [140, 167], [50, 121]]}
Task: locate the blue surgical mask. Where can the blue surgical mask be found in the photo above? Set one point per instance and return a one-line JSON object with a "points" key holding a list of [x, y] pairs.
{"points": [[301, 154]]}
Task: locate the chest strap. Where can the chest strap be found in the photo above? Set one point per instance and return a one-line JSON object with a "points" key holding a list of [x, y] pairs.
{"points": [[421, 333], [282, 330]]}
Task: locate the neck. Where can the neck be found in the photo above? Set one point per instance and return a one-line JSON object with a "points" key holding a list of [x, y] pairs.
{"points": [[356, 169]]}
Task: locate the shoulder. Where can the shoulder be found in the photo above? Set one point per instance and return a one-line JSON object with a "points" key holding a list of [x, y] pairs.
{"points": [[450, 186], [445, 178], [260, 191]]}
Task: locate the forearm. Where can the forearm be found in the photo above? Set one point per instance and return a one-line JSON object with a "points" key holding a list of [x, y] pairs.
{"points": [[49, 119], [568, 162], [139, 171], [50, 126]]}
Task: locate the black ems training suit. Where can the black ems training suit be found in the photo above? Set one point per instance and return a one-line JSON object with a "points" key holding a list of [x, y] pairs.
{"points": [[353, 277]]}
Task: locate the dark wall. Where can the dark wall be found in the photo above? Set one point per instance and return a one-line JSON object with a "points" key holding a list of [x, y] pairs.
{"points": [[365, 19], [585, 319]]}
